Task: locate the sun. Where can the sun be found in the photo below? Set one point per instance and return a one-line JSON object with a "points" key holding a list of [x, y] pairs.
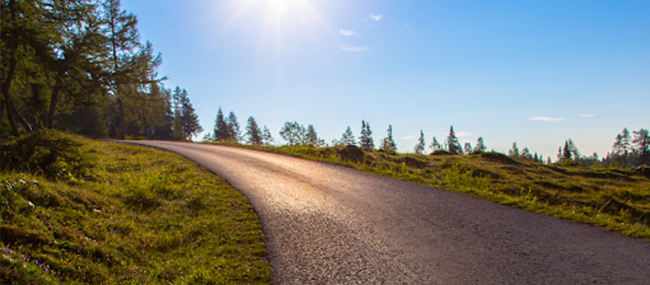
{"points": [[274, 24]]}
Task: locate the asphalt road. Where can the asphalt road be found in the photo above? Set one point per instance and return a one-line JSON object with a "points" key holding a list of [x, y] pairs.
{"points": [[326, 224]]}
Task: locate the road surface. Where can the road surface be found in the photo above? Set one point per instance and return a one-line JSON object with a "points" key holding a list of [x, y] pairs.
{"points": [[326, 224]]}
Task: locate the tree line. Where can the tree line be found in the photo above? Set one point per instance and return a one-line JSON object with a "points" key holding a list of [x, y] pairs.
{"points": [[627, 151], [81, 67]]}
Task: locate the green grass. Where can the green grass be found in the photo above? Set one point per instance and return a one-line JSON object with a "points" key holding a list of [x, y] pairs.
{"points": [[617, 199], [138, 216]]}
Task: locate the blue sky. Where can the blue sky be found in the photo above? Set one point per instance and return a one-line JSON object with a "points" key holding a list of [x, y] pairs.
{"points": [[532, 72]]}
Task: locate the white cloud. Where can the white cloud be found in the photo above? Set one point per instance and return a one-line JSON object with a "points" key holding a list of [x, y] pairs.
{"points": [[353, 49], [587, 115], [376, 17], [545, 119], [407, 137], [463, 134], [348, 32]]}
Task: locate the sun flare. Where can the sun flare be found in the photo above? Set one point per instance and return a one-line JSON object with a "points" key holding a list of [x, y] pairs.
{"points": [[276, 24]]}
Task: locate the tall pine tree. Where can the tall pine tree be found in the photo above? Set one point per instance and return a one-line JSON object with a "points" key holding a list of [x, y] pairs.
{"points": [[480, 145], [453, 145], [435, 145], [365, 140], [253, 132], [234, 130], [388, 143], [419, 148], [220, 131], [347, 138]]}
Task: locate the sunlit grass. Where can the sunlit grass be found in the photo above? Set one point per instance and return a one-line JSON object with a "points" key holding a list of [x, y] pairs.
{"points": [[617, 199], [142, 216]]}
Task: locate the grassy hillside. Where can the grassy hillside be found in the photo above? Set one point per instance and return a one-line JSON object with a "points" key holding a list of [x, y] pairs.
{"points": [[131, 215], [618, 199]]}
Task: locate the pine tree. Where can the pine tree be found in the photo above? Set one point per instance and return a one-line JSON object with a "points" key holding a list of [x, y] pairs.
{"points": [[574, 150], [234, 131], [536, 158], [388, 144], [566, 153], [253, 132], [177, 125], [311, 137], [642, 146], [625, 143], [189, 118], [347, 138], [419, 148], [453, 145], [514, 151], [435, 145], [123, 39], [267, 138], [525, 153], [220, 127], [468, 148], [365, 140], [293, 132], [480, 145]]}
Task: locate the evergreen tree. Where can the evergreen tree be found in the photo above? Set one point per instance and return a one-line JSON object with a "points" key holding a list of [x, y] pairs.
{"points": [[435, 145], [234, 131], [514, 151], [293, 133], [128, 66], [453, 145], [480, 145], [388, 144], [566, 154], [468, 148], [253, 132], [525, 153], [574, 150], [347, 138], [267, 138], [536, 158], [177, 126], [311, 137], [642, 146], [220, 127], [625, 146], [365, 140], [419, 148], [189, 118]]}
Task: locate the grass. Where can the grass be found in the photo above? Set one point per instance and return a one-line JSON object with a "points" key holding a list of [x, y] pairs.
{"points": [[617, 199], [140, 216]]}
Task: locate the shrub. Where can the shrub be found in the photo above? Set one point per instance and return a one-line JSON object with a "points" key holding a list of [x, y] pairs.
{"points": [[49, 152]]}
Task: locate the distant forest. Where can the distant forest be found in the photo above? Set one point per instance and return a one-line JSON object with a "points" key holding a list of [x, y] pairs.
{"points": [[80, 66]]}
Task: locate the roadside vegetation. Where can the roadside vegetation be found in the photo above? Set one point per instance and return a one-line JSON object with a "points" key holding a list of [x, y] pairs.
{"points": [[76, 211]]}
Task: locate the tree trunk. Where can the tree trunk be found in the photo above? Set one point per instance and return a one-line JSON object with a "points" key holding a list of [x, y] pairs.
{"points": [[53, 102], [121, 120]]}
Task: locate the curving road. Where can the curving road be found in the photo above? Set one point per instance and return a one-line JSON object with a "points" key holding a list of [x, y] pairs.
{"points": [[326, 224]]}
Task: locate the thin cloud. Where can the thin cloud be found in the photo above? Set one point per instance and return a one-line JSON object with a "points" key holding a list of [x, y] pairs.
{"points": [[587, 115], [353, 49], [376, 17], [407, 137], [348, 32], [463, 134], [545, 119]]}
